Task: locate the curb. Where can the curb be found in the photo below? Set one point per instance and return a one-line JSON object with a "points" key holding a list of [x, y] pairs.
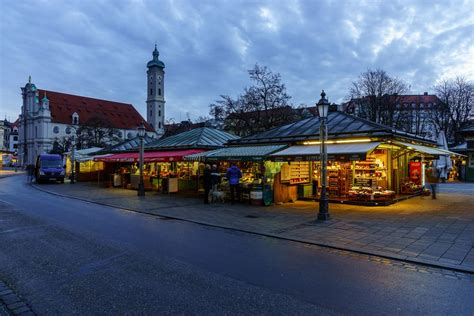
{"points": [[302, 241], [13, 303]]}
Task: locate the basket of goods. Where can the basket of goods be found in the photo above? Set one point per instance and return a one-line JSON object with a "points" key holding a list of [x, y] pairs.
{"points": [[384, 195], [352, 193], [411, 187]]}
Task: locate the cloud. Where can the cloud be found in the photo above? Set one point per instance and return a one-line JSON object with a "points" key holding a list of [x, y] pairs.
{"points": [[100, 48]]}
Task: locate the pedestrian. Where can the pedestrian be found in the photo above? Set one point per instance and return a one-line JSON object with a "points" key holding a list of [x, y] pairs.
{"points": [[207, 183], [234, 174], [30, 169], [432, 175], [215, 177]]}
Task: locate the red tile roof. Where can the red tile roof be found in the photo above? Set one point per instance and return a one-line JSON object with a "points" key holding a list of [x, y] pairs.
{"points": [[119, 115], [419, 98]]}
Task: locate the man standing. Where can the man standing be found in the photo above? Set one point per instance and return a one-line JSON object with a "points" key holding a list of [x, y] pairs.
{"points": [[233, 175], [432, 176], [215, 178], [207, 183]]}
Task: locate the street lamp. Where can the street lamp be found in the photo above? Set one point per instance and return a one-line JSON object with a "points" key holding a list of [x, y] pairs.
{"points": [[141, 135], [323, 107], [73, 155], [73, 158]]}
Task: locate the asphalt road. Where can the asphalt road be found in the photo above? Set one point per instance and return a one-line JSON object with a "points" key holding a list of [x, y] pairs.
{"points": [[68, 256]]}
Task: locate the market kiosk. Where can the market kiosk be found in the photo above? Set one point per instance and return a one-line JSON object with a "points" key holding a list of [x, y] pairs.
{"points": [[163, 170], [368, 163], [258, 172], [164, 166]]}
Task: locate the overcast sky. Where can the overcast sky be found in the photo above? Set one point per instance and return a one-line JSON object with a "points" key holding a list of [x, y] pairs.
{"points": [[100, 48]]}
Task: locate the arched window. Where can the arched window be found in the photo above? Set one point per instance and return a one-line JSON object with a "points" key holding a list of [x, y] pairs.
{"points": [[129, 135], [56, 130], [75, 118], [151, 91], [159, 124], [159, 113], [159, 91]]}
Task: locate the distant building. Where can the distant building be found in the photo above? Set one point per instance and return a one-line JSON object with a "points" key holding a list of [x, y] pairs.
{"points": [[49, 116], [411, 113], [4, 135], [13, 137]]}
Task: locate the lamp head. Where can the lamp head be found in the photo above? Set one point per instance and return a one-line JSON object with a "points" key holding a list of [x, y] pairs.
{"points": [[141, 130], [323, 105]]}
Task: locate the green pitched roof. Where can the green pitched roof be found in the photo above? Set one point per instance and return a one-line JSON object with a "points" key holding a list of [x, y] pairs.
{"points": [[129, 144], [203, 137]]}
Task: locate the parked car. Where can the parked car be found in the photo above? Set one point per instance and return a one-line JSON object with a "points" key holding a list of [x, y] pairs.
{"points": [[49, 167]]}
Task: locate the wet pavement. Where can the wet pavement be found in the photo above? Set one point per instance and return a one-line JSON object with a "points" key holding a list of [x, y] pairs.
{"points": [[420, 230]]}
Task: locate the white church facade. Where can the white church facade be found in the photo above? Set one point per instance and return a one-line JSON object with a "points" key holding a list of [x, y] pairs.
{"points": [[49, 116]]}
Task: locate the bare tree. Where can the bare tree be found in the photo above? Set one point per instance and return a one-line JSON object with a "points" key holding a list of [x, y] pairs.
{"points": [[376, 95], [454, 112], [261, 106], [97, 132]]}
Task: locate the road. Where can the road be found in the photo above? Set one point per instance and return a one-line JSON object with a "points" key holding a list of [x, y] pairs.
{"points": [[68, 256]]}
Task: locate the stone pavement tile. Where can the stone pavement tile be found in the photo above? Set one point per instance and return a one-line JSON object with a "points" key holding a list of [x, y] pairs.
{"points": [[10, 299], [447, 237], [450, 261], [437, 249], [428, 257]]}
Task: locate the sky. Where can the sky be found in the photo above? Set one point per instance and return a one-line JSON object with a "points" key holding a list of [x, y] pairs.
{"points": [[100, 48]]}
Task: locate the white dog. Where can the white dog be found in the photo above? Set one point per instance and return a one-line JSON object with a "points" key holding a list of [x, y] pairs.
{"points": [[217, 196]]}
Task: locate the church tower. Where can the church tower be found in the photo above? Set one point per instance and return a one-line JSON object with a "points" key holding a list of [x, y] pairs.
{"points": [[155, 102]]}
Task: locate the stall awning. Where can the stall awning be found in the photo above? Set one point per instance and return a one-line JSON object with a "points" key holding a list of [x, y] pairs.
{"points": [[341, 152], [150, 156], [238, 153], [433, 151]]}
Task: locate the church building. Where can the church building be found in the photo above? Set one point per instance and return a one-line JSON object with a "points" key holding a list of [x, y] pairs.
{"points": [[48, 116]]}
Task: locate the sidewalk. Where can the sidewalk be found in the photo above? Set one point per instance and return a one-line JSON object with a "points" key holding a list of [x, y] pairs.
{"points": [[434, 232], [10, 172]]}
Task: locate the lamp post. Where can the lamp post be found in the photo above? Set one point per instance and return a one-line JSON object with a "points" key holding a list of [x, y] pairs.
{"points": [[141, 135], [73, 151], [323, 107], [73, 157]]}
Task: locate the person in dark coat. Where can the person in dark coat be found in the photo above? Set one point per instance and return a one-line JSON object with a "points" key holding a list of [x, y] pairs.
{"points": [[432, 175], [215, 177], [207, 183], [233, 175]]}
